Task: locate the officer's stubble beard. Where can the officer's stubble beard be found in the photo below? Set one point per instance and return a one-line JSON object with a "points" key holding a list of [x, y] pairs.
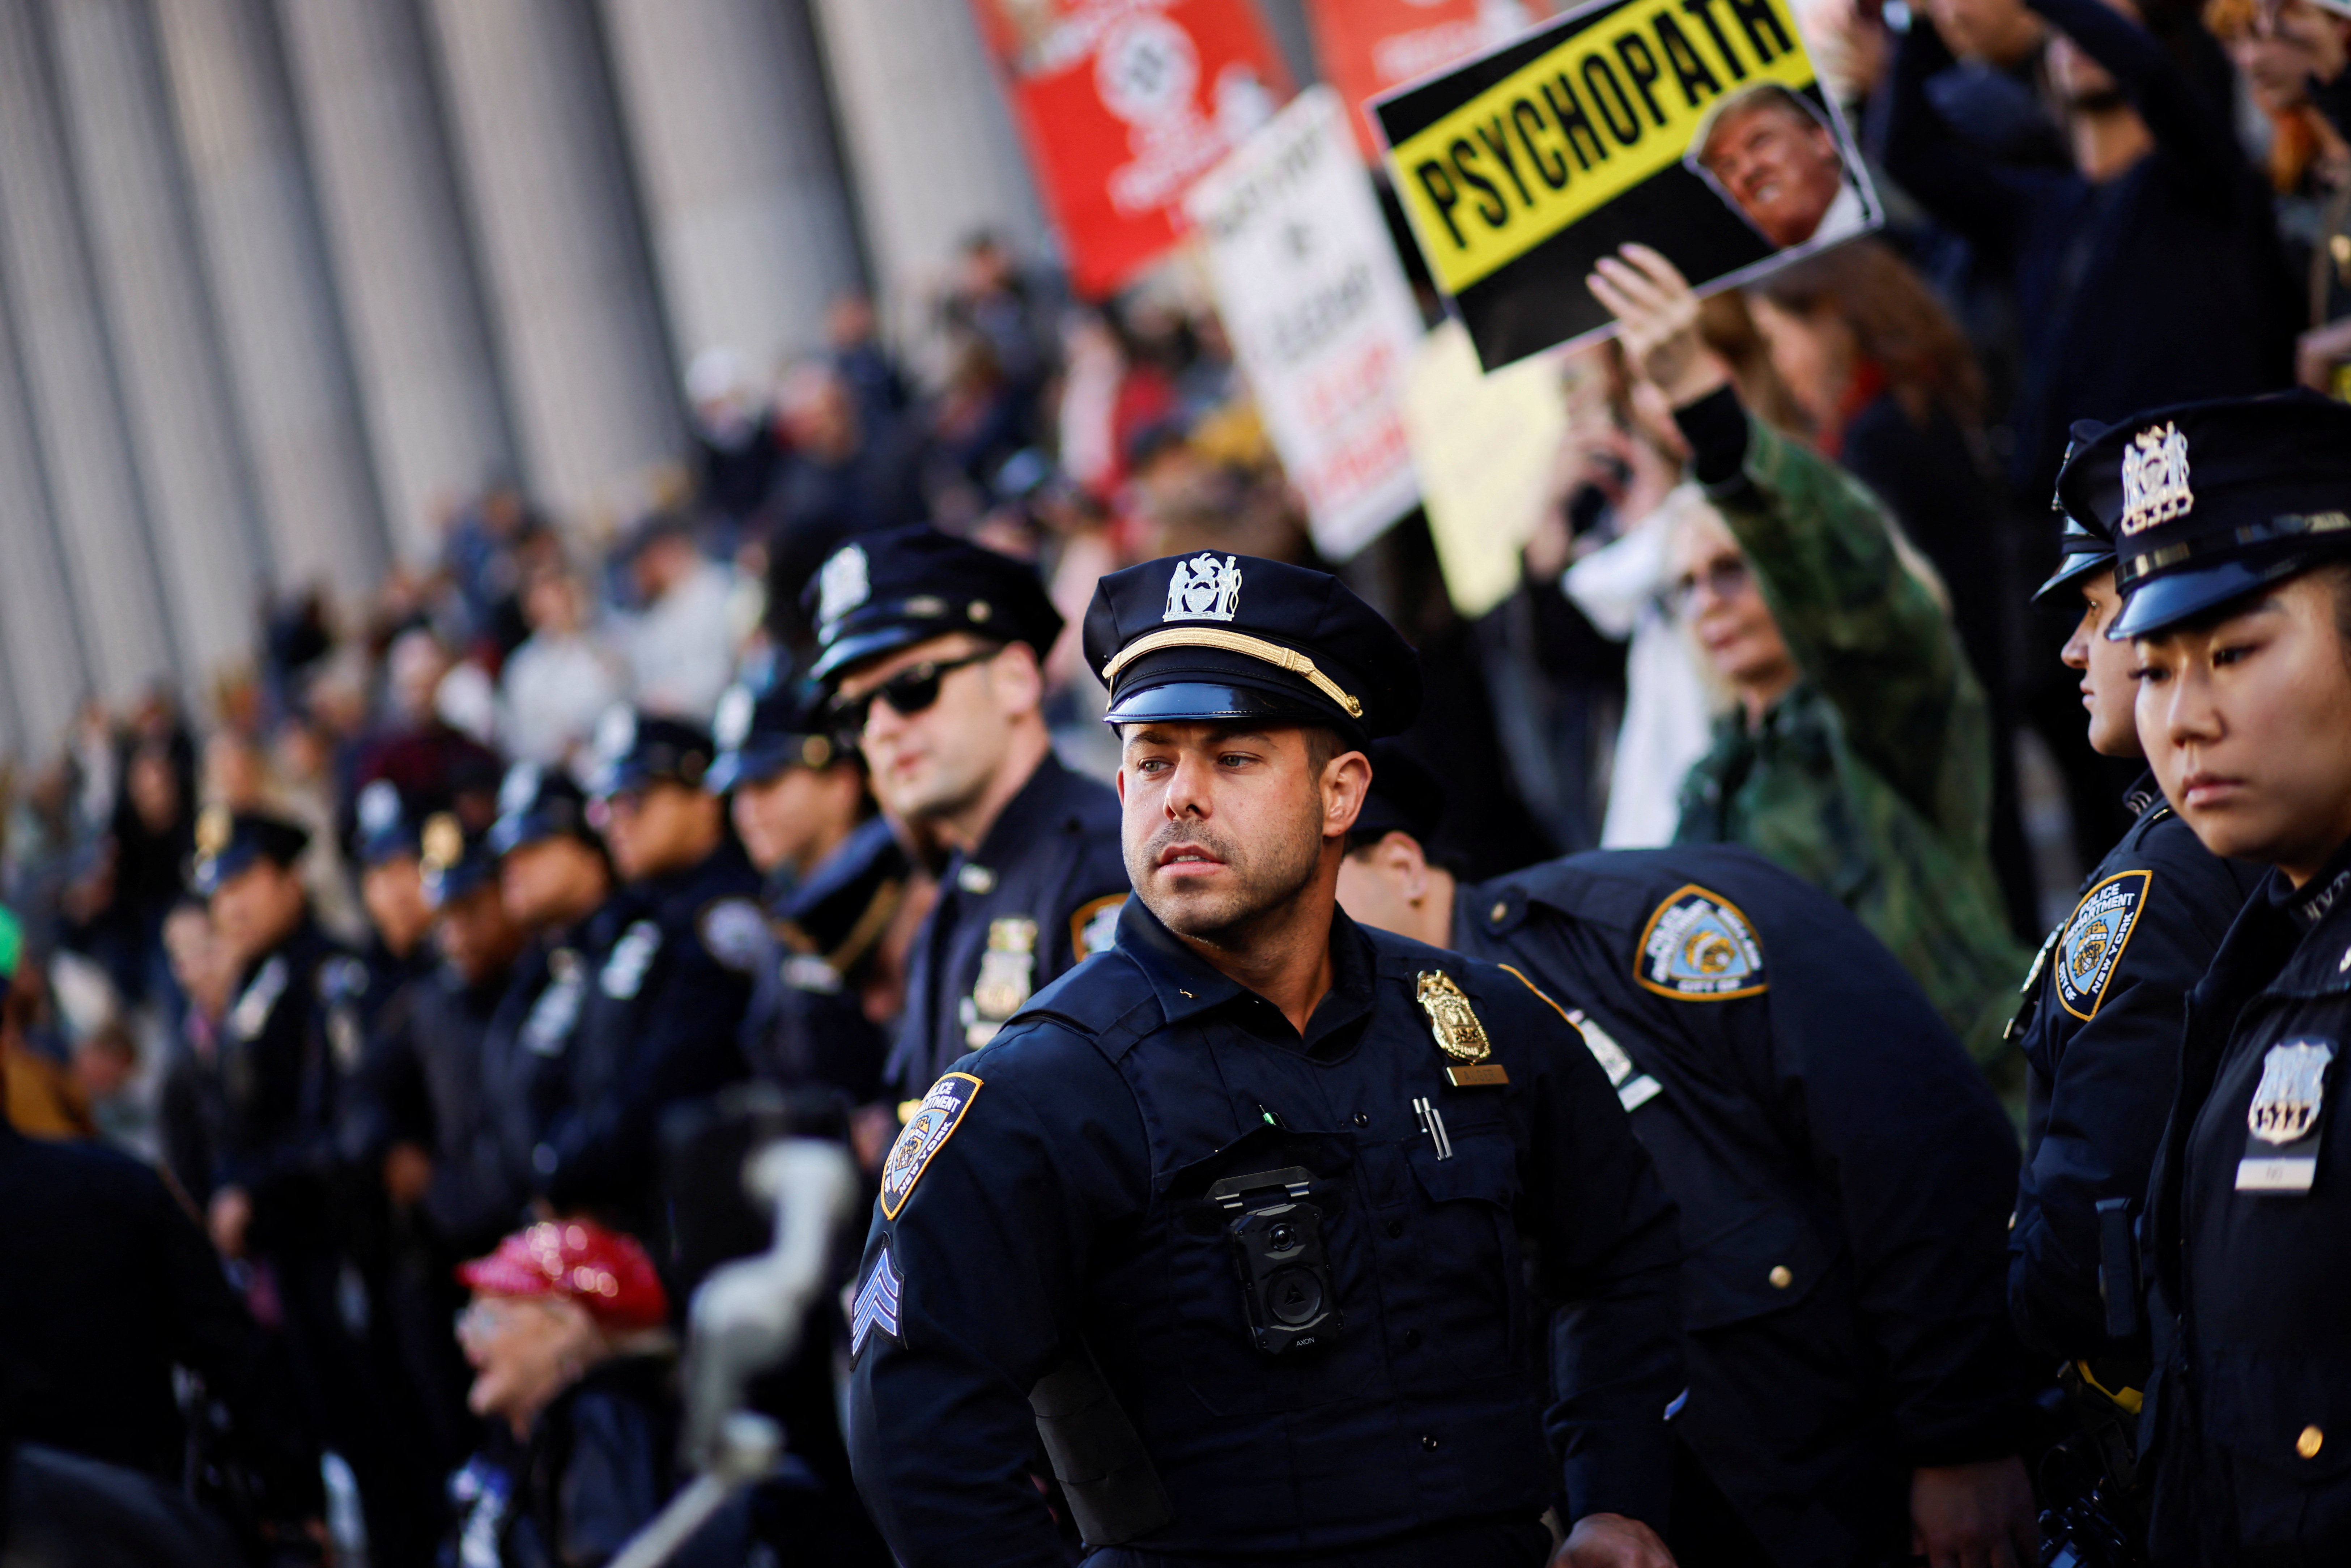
{"points": [[1273, 875]]}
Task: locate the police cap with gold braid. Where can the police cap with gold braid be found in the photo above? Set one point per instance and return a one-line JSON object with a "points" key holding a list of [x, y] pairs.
{"points": [[1233, 638], [889, 590], [2209, 501], [760, 734], [227, 842]]}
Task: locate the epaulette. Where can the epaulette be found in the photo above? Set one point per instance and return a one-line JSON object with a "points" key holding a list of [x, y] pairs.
{"points": [[1108, 998]]}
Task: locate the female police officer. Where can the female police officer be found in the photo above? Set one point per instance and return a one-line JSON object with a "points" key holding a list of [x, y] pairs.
{"points": [[1242, 1210], [2231, 523]]}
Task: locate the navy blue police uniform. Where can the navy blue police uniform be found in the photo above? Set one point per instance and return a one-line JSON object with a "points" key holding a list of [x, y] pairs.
{"points": [[2099, 1027], [660, 1019], [808, 1024], [1041, 890], [1842, 1172], [527, 1047], [2248, 1415], [1264, 1296], [288, 1045]]}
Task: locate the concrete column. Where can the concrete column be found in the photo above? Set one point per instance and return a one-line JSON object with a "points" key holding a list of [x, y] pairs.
{"points": [[595, 396], [387, 190], [727, 119], [929, 137], [267, 266], [190, 449], [84, 439], [38, 641]]}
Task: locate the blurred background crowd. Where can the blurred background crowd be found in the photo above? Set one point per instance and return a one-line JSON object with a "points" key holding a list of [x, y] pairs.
{"points": [[2095, 206]]}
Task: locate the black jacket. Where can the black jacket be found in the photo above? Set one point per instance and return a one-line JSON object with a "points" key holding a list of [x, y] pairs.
{"points": [[2248, 1420], [291, 1037], [1039, 894], [1844, 1176], [2100, 1030], [1058, 1188]]}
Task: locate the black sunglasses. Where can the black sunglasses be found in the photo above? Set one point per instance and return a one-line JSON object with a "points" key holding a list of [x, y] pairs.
{"points": [[909, 692]]}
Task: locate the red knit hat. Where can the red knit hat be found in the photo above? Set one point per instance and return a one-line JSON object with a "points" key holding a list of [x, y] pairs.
{"points": [[603, 1271]]}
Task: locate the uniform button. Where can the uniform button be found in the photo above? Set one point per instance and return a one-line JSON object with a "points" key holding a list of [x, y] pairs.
{"points": [[1362, 1119], [1429, 1441], [1396, 1229], [2310, 1442], [1412, 1339], [1498, 912], [1780, 1277]]}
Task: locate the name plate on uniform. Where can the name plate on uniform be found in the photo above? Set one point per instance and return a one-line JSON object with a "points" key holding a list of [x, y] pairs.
{"points": [[1479, 1075]]}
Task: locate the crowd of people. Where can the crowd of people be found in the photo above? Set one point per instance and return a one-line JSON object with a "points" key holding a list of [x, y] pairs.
{"points": [[385, 1025]]}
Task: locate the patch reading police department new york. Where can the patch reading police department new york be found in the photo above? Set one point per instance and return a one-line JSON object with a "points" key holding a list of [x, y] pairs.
{"points": [[1698, 946], [2092, 940], [925, 1134]]}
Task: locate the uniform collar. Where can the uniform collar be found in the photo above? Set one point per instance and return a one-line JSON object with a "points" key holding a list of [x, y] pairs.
{"points": [[1039, 808], [1187, 986], [2144, 795], [2315, 900]]}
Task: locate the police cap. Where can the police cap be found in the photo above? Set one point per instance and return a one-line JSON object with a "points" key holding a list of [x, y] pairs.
{"points": [[536, 803], [2211, 501], [2083, 548], [761, 734], [455, 862], [888, 591], [1404, 798], [1232, 637], [633, 749], [228, 842], [388, 824]]}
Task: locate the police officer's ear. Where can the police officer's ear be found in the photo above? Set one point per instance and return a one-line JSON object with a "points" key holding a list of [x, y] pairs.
{"points": [[1342, 774], [1016, 678]]}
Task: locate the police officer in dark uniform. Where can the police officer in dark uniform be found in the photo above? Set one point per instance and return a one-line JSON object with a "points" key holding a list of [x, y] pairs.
{"points": [[290, 1038], [1842, 1172], [1259, 1217], [659, 1024], [836, 876], [931, 648], [2099, 1027], [556, 883], [388, 847], [2230, 523]]}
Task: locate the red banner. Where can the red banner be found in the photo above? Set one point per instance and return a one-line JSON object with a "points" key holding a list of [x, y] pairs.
{"points": [[1123, 104], [1366, 47]]}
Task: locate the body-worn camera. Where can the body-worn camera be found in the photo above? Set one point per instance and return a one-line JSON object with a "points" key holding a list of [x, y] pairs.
{"points": [[1276, 1232]]}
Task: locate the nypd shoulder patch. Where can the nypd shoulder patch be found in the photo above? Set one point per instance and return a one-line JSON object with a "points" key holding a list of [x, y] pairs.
{"points": [[1698, 947], [925, 1134], [2094, 937], [1094, 927], [736, 933], [877, 1308]]}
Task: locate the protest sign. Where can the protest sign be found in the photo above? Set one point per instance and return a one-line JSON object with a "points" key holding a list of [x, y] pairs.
{"points": [[1321, 318], [1484, 446], [1366, 47], [1696, 127], [1122, 105]]}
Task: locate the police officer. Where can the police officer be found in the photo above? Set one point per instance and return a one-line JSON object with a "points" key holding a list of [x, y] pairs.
{"points": [[557, 884], [1842, 1172], [836, 877], [290, 1038], [659, 1025], [2229, 523], [391, 887], [2099, 1027], [1257, 1213], [931, 648]]}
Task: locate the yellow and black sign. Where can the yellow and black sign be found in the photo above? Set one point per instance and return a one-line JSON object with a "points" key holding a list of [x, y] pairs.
{"points": [[1621, 120]]}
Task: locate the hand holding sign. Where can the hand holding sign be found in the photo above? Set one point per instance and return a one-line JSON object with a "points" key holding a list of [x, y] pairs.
{"points": [[1657, 311]]}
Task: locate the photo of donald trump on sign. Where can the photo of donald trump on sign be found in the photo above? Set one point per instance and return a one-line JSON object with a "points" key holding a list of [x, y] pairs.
{"points": [[1773, 156]]}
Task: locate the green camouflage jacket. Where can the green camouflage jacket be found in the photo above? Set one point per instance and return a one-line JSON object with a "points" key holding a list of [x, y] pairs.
{"points": [[1872, 777]]}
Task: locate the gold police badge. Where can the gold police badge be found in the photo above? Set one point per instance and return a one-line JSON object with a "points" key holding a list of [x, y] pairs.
{"points": [[1007, 973], [1459, 1033], [443, 843]]}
